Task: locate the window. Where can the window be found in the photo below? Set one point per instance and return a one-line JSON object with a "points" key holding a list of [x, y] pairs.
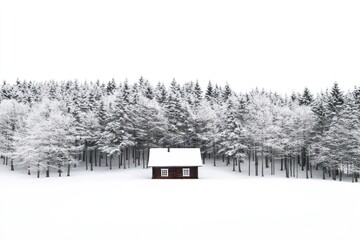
{"points": [[186, 172], [164, 172]]}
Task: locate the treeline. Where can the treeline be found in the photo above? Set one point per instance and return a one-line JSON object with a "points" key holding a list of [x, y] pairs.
{"points": [[58, 125]]}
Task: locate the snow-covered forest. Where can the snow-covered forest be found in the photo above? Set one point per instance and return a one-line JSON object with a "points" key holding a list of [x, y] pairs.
{"points": [[55, 126]]}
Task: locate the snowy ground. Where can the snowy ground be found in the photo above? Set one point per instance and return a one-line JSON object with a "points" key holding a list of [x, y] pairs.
{"points": [[127, 204]]}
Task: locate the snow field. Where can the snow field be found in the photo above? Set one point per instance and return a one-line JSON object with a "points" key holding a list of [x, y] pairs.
{"points": [[127, 204]]}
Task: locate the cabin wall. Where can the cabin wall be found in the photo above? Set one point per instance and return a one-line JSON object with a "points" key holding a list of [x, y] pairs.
{"points": [[175, 173]]}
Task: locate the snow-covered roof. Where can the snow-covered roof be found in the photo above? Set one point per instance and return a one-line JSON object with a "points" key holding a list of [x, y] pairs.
{"points": [[176, 157]]}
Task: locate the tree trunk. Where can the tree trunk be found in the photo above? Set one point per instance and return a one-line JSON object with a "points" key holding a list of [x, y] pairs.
{"points": [[106, 160], [340, 176], [133, 154], [239, 166], [274, 162], [303, 159], [310, 165], [111, 162], [139, 155], [214, 156], [256, 163], [29, 173], [148, 156], [334, 175], [249, 155], [129, 161], [202, 152], [85, 156], [143, 157], [121, 159], [266, 161], [12, 165], [262, 162], [95, 158], [286, 167], [307, 167], [324, 173], [294, 166], [233, 164], [125, 159], [271, 159], [297, 167], [91, 161], [282, 164], [100, 158], [38, 170], [68, 169], [120, 155], [59, 169], [47, 169]]}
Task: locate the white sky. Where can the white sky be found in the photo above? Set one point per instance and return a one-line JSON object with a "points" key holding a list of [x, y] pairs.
{"points": [[279, 45]]}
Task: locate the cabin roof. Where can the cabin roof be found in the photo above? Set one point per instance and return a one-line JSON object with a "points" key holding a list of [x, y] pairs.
{"points": [[176, 157]]}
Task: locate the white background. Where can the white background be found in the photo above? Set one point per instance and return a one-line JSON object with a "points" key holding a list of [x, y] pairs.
{"points": [[278, 45]]}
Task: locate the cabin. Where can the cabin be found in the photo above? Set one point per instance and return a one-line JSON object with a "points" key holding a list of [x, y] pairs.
{"points": [[175, 163]]}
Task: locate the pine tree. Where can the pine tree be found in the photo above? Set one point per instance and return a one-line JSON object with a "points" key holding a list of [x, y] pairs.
{"points": [[233, 134], [198, 94], [111, 86], [160, 93], [294, 97], [306, 98], [150, 124], [217, 94], [226, 93], [177, 116], [91, 101], [149, 93], [118, 128], [209, 92], [125, 91], [6, 91], [335, 100]]}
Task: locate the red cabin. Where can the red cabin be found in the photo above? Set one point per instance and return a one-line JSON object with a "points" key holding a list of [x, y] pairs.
{"points": [[175, 163]]}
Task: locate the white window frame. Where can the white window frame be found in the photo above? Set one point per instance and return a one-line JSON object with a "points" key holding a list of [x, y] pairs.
{"points": [[184, 170], [165, 171]]}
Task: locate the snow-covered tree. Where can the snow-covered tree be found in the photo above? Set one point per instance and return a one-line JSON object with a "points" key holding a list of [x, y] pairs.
{"points": [[12, 116], [47, 139]]}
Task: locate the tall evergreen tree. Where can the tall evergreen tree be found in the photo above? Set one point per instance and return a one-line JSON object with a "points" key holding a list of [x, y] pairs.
{"points": [[111, 87], [209, 92], [198, 94], [226, 93], [335, 100], [306, 98]]}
